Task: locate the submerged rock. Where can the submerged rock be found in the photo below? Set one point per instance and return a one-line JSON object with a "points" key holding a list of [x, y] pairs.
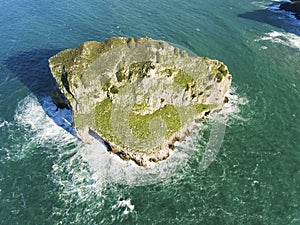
{"points": [[138, 95]]}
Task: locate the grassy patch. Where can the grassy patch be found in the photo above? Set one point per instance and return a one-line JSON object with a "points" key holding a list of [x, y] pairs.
{"points": [[120, 74], [81, 120], [139, 107], [103, 119], [140, 123], [140, 69], [221, 72], [219, 77], [183, 79], [137, 122], [202, 107], [114, 90], [169, 72], [106, 84]]}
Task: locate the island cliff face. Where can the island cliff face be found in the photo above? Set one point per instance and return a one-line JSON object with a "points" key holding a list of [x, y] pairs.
{"points": [[138, 95]]}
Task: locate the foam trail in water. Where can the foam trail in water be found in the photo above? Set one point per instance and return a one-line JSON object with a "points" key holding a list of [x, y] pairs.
{"points": [[260, 4], [32, 115], [287, 39], [126, 205], [218, 122], [31, 129], [111, 167], [3, 123]]}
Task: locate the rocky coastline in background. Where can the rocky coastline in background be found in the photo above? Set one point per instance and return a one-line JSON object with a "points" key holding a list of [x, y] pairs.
{"points": [[292, 6]]}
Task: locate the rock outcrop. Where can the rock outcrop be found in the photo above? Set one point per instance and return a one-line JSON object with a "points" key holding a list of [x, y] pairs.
{"points": [[138, 95], [293, 6]]}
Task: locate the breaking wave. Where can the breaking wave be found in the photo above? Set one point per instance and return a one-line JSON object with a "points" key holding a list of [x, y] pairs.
{"points": [[33, 128], [287, 39]]}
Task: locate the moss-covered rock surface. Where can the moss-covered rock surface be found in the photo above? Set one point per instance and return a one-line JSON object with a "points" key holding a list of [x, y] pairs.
{"points": [[139, 95]]}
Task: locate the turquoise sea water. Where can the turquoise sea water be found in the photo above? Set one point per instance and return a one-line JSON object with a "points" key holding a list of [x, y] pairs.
{"points": [[49, 177]]}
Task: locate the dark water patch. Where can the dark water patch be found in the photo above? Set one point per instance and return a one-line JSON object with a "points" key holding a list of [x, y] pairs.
{"points": [[268, 17], [31, 68], [27, 195]]}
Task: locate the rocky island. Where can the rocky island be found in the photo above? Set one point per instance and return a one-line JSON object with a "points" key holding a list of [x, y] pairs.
{"points": [[292, 6], [137, 95]]}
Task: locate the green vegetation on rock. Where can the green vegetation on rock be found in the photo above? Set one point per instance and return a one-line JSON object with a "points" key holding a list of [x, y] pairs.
{"points": [[183, 79], [103, 119], [120, 74], [106, 85], [140, 123], [140, 69], [202, 107], [114, 89]]}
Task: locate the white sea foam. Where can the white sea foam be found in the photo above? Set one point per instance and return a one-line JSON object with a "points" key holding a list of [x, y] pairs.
{"points": [[33, 128], [92, 162], [107, 166], [78, 184], [260, 4], [32, 115], [287, 39], [232, 109], [274, 7], [266, 4], [4, 123], [124, 204]]}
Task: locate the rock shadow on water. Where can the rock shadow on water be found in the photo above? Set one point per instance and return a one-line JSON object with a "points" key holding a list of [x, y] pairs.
{"points": [[32, 69], [274, 18]]}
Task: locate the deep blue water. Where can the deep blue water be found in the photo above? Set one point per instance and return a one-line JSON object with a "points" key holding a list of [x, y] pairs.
{"points": [[47, 176]]}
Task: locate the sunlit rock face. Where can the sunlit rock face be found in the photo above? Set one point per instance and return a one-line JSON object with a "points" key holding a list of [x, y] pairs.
{"points": [[138, 95]]}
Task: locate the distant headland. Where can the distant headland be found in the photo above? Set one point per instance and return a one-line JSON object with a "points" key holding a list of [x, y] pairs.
{"points": [[292, 6]]}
